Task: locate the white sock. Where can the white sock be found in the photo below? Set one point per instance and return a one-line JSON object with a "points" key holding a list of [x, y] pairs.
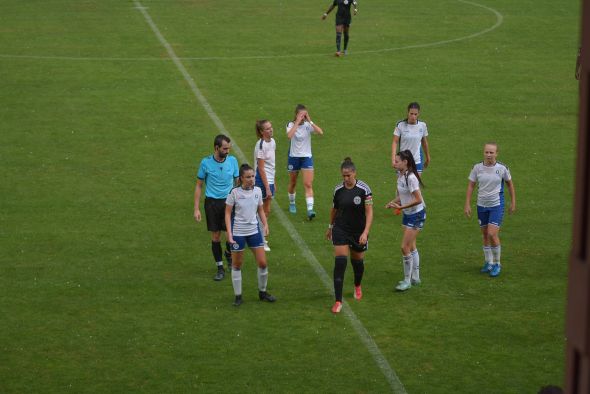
{"points": [[416, 267], [487, 254], [262, 278], [408, 262], [292, 198], [219, 263], [236, 280], [496, 252], [309, 201]]}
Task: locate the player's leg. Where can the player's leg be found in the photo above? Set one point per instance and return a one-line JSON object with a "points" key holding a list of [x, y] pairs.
{"points": [[236, 272], [408, 239], [483, 216], [340, 261], [308, 175], [357, 260], [256, 244], [294, 166], [496, 215], [339, 29], [345, 30]]}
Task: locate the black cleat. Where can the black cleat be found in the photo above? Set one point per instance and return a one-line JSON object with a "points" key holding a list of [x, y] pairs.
{"points": [[219, 275], [264, 296], [238, 301]]}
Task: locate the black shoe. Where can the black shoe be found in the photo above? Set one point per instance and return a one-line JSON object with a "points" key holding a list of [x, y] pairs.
{"points": [[264, 296], [238, 301], [219, 275]]}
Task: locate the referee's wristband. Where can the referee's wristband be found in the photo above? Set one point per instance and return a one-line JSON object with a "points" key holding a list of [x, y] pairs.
{"points": [[330, 225]]}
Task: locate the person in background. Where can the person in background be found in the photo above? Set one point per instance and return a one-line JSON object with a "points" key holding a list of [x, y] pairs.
{"points": [[264, 159], [412, 134], [343, 20]]}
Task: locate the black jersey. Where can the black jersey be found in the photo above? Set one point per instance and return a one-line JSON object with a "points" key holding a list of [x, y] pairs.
{"points": [[343, 12], [350, 206]]}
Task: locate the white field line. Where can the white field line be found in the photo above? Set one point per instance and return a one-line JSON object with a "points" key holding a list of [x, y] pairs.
{"points": [[380, 360], [499, 21]]}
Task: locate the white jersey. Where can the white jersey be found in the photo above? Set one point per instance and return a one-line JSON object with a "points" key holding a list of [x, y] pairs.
{"points": [[301, 141], [490, 183], [266, 151], [410, 137], [406, 185], [245, 203]]}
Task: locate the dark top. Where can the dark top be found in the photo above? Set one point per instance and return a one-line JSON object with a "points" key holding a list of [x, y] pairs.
{"points": [[350, 206]]}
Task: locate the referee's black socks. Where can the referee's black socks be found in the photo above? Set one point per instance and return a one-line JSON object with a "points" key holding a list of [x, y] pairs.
{"points": [[359, 268], [339, 270], [216, 249]]}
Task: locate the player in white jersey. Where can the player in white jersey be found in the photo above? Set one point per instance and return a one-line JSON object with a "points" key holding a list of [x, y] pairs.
{"points": [[299, 132], [264, 166], [490, 176], [242, 211], [411, 134], [409, 201]]}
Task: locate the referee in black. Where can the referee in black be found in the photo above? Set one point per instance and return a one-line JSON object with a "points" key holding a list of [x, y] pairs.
{"points": [[350, 221], [343, 19]]}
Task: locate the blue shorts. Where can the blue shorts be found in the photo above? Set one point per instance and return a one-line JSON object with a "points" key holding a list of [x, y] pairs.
{"points": [[299, 163], [419, 167], [414, 220], [253, 241], [492, 215], [261, 186]]}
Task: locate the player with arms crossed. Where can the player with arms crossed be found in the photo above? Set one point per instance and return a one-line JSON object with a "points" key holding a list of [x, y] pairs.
{"points": [[490, 176], [412, 134], [343, 20]]}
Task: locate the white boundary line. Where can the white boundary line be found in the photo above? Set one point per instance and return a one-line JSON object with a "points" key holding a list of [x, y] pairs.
{"points": [[380, 360], [499, 21]]}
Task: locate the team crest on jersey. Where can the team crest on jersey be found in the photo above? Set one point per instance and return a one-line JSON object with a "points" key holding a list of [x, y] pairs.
{"points": [[345, 2], [356, 200], [235, 246]]}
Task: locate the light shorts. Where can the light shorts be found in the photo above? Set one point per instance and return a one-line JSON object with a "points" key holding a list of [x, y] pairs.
{"points": [[261, 186], [492, 215], [299, 163], [253, 241], [414, 220]]}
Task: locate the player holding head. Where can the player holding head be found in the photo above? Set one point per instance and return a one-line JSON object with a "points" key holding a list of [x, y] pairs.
{"points": [[343, 20], [299, 132], [490, 176], [219, 172], [243, 207], [351, 218], [264, 159], [409, 201], [412, 134]]}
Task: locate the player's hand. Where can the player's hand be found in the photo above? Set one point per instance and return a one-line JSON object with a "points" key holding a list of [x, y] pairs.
{"points": [[512, 209], [197, 215], [467, 211], [355, 11], [329, 234], [266, 230], [427, 162], [363, 238], [268, 193], [324, 16]]}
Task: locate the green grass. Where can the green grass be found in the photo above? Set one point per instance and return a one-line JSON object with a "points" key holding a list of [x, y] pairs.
{"points": [[105, 279]]}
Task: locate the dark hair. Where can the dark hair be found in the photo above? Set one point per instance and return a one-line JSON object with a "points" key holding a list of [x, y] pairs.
{"points": [[299, 107], [243, 168], [259, 127], [219, 140], [407, 155], [550, 390], [413, 105], [348, 164]]}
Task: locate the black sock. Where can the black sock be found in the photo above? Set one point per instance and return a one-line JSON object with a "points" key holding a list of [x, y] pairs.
{"points": [[339, 270], [216, 249], [338, 38], [345, 40], [228, 253], [359, 268]]}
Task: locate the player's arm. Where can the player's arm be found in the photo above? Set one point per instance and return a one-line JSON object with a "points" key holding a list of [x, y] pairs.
{"points": [[262, 172], [426, 150], [356, 7], [198, 190], [368, 223], [327, 12], [417, 200], [296, 123], [510, 185], [331, 224], [467, 209], [316, 129], [394, 145], [228, 210], [262, 217]]}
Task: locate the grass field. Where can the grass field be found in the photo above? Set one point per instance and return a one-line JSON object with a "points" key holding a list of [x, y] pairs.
{"points": [[106, 280]]}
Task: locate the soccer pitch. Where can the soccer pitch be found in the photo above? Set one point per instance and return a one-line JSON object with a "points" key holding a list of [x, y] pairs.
{"points": [[107, 108]]}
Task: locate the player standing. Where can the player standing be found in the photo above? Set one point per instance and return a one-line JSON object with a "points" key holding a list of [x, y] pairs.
{"points": [[343, 20], [351, 218], [412, 134], [264, 159], [243, 209], [490, 176]]}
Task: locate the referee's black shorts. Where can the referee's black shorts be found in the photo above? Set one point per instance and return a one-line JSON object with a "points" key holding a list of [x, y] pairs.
{"points": [[215, 213], [341, 237], [343, 21]]}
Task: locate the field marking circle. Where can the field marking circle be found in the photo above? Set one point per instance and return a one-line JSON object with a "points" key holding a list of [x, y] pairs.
{"points": [[499, 21]]}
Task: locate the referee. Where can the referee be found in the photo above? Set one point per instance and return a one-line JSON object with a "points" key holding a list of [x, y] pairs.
{"points": [[343, 19], [350, 221], [218, 172]]}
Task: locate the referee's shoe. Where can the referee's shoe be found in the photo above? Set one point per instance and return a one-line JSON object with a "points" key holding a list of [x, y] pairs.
{"points": [[264, 296], [220, 274]]}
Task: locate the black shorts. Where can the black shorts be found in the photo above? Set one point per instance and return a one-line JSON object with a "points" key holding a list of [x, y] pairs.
{"points": [[215, 213], [343, 21], [341, 237]]}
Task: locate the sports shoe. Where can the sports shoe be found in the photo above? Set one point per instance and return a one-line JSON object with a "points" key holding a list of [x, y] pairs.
{"points": [[310, 214], [238, 301], [292, 208], [264, 296], [266, 247], [415, 282], [358, 292], [219, 275], [403, 286], [338, 54], [337, 307], [496, 270], [487, 267]]}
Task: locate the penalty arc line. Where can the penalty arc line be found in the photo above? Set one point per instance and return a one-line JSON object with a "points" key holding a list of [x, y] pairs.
{"points": [[380, 360]]}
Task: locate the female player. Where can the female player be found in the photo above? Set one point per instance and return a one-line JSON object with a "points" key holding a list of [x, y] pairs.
{"points": [[409, 201], [412, 134], [350, 221], [299, 132], [490, 176], [264, 159], [343, 19], [241, 207]]}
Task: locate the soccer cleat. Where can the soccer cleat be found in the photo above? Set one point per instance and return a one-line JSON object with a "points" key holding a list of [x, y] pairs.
{"points": [[292, 208], [487, 267], [338, 54], [358, 292], [310, 214], [238, 300], [219, 275], [496, 270], [266, 247], [264, 296], [415, 282], [337, 307], [403, 286]]}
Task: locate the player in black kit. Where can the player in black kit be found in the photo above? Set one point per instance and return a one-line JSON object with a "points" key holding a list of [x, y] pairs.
{"points": [[343, 19], [350, 221]]}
